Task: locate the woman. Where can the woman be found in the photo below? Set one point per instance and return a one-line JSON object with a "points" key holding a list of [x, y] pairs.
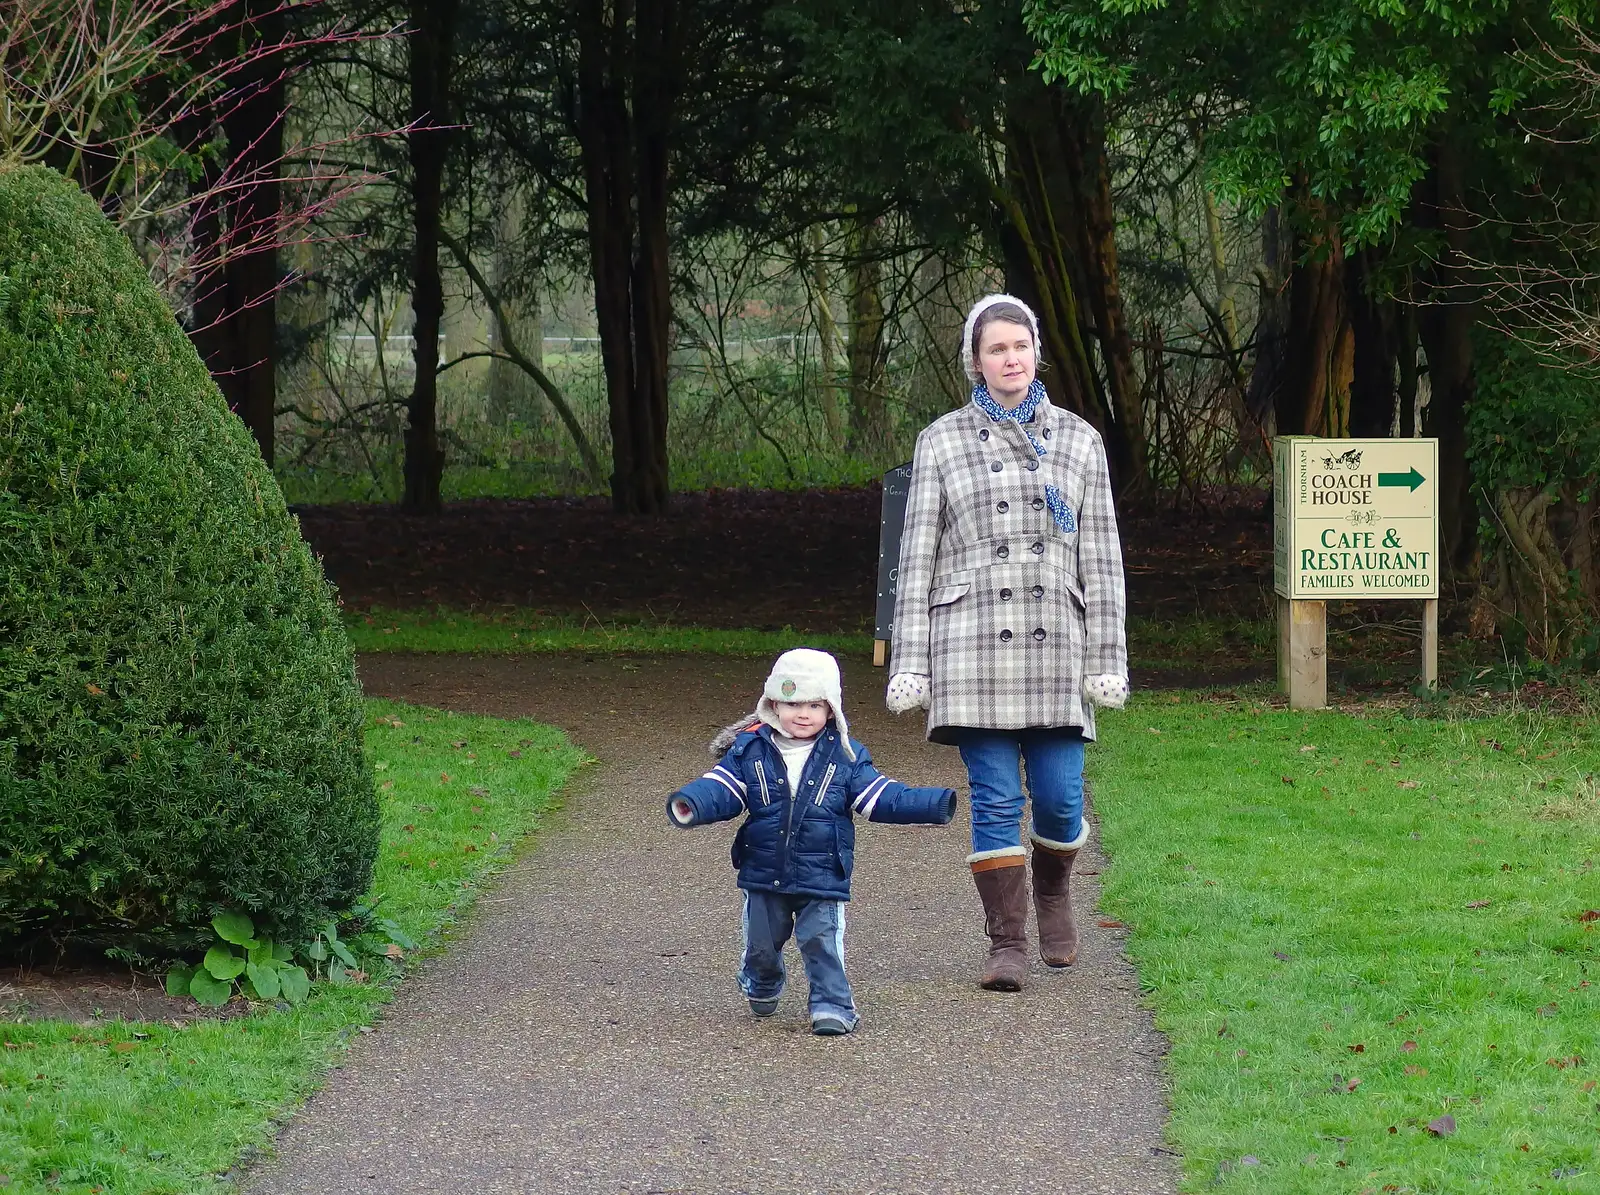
{"points": [[1009, 623]]}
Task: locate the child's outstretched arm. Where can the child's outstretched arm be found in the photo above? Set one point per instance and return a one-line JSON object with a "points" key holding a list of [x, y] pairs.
{"points": [[878, 798], [717, 796]]}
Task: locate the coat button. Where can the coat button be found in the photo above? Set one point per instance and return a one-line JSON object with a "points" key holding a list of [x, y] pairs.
{"points": [[1039, 634], [1005, 636], [1005, 595], [1033, 466], [983, 433], [1002, 551], [995, 467], [1038, 504], [1037, 549], [1003, 507], [1038, 591], [1047, 433]]}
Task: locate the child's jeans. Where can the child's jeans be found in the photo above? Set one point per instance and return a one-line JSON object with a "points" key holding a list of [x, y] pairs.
{"points": [[770, 918], [1055, 781]]}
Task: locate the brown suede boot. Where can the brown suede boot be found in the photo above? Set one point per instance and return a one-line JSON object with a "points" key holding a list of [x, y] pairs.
{"points": [[1052, 900], [1003, 886]]}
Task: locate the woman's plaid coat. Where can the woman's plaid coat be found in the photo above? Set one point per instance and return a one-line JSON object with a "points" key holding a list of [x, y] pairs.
{"points": [[1001, 607]]}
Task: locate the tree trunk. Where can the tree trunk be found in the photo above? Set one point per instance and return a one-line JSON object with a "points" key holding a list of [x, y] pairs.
{"points": [[430, 47], [509, 388], [1446, 324], [655, 91], [1098, 233], [628, 81], [827, 336], [1316, 360], [1269, 375], [1058, 241], [1377, 328], [235, 315], [869, 414]]}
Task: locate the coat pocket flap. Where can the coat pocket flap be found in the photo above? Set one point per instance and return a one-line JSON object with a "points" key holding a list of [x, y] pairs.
{"points": [[943, 595]]}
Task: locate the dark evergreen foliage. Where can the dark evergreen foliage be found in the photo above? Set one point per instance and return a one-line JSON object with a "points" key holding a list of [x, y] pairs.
{"points": [[180, 725]]}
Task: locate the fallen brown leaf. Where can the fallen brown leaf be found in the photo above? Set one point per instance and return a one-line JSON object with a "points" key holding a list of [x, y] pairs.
{"points": [[1443, 1126], [1589, 915], [1408, 1046], [1478, 904], [1416, 1070], [1107, 923]]}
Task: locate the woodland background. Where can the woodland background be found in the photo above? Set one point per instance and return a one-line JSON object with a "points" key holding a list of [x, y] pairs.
{"points": [[516, 248]]}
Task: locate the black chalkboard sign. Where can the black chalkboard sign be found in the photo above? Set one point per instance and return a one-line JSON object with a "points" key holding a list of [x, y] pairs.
{"points": [[896, 486]]}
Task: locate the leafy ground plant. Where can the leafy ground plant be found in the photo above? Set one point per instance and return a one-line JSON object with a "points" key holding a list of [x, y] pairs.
{"points": [[1371, 939], [169, 1108]]}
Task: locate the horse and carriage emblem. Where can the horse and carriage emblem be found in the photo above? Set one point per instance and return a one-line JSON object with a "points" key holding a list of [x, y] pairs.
{"points": [[1350, 459]]}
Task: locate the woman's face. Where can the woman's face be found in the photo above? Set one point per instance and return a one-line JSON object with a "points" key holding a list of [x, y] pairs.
{"points": [[1006, 356]]}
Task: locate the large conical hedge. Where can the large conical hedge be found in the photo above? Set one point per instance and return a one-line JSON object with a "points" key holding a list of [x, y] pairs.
{"points": [[180, 726]]}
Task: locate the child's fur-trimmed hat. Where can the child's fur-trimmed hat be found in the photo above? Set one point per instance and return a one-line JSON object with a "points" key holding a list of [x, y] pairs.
{"points": [[803, 674]]}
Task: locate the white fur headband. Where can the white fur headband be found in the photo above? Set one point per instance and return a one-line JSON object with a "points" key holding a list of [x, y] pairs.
{"points": [[969, 365]]}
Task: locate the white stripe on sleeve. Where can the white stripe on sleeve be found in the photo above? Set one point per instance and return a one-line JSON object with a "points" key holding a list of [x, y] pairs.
{"points": [[868, 800], [721, 779]]}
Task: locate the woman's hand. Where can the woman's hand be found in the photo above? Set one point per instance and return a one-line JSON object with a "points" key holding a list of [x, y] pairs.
{"points": [[1106, 689], [908, 691]]}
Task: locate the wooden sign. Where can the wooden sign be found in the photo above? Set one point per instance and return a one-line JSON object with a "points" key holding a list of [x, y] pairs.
{"points": [[1351, 519], [896, 487], [1355, 518]]}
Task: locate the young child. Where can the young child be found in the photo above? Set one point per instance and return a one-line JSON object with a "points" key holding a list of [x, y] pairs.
{"points": [[797, 775]]}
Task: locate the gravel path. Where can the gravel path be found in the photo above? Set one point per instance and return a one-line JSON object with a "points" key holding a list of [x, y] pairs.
{"points": [[586, 1034]]}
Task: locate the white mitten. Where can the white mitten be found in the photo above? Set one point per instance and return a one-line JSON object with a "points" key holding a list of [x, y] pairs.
{"points": [[908, 691], [1107, 689]]}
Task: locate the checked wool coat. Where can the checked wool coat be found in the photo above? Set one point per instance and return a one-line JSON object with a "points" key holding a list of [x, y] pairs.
{"points": [[1005, 611]]}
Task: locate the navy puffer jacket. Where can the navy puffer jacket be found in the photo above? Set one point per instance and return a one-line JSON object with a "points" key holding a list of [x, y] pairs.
{"points": [[803, 843]]}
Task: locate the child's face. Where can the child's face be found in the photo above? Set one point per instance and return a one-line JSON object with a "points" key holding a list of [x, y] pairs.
{"points": [[802, 719]]}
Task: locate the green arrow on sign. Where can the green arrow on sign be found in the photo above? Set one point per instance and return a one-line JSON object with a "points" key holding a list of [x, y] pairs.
{"points": [[1412, 479]]}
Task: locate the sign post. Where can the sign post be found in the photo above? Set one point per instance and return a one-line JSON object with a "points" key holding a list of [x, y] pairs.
{"points": [[1351, 519], [896, 488]]}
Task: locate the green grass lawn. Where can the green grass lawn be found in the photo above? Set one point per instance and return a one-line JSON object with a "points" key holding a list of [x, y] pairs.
{"points": [[530, 631], [157, 1108], [1352, 926]]}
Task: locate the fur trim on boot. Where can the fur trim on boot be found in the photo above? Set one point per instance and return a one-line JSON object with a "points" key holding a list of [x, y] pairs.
{"points": [[1052, 898], [1002, 882]]}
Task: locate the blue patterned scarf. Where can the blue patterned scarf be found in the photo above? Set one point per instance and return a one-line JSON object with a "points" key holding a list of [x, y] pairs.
{"points": [[1022, 414]]}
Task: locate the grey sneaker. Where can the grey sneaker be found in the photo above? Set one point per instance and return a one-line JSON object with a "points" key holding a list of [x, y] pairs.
{"points": [[827, 1024], [764, 1008]]}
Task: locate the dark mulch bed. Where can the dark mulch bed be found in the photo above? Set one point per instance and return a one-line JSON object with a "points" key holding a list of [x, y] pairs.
{"points": [[739, 558]]}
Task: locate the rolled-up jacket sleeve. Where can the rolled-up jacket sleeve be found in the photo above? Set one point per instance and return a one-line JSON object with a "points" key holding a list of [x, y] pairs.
{"points": [[880, 798], [717, 796]]}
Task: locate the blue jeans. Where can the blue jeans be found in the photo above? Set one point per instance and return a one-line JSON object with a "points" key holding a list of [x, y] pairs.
{"points": [[1055, 781], [817, 926]]}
